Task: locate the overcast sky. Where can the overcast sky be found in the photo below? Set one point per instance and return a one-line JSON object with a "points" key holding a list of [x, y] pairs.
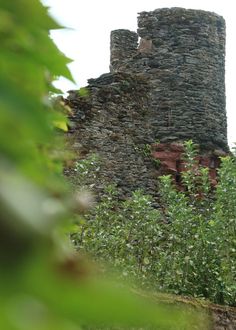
{"points": [[87, 41]]}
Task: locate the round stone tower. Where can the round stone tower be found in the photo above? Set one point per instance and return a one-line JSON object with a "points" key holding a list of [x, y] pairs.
{"points": [[166, 86], [182, 54]]}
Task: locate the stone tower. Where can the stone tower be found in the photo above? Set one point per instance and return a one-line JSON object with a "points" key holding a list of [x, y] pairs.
{"points": [[166, 85], [182, 53]]}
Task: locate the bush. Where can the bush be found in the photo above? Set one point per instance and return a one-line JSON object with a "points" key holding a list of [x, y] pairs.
{"points": [[114, 232], [185, 247]]}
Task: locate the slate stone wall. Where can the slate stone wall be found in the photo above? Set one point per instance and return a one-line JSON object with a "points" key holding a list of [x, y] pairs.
{"points": [[124, 44], [182, 52], [113, 123], [166, 85]]}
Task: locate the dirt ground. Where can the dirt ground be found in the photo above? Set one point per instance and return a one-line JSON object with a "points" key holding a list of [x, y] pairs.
{"points": [[224, 318]]}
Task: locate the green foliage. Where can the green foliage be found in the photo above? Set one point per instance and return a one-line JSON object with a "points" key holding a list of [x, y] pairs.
{"points": [[28, 62], [30, 151], [201, 230], [83, 92], [87, 170], [185, 247], [146, 150], [43, 282], [156, 162], [115, 232]]}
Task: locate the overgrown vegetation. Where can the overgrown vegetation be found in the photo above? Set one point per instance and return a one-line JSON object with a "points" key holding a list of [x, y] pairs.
{"points": [[44, 285], [188, 246]]}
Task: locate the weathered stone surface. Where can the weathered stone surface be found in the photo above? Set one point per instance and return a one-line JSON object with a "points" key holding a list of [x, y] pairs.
{"points": [[182, 53], [224, 318], [115, 127], [169, 88]]}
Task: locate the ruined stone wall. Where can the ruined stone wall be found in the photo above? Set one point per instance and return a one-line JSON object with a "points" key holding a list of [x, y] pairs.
{"points": [[182, 52], [112, 122], [166, 88]]}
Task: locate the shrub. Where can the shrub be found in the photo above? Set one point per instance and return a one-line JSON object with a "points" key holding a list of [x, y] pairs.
{"points": [[115, 230], [185, 247]]}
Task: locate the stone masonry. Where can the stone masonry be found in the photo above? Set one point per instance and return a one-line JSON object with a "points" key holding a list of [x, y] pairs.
{"points": [[166, 85], [182, 53]]}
